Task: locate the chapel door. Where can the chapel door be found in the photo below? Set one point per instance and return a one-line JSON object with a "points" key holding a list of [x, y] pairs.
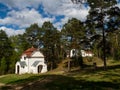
{"points": [[18, 69], [40, 68]]}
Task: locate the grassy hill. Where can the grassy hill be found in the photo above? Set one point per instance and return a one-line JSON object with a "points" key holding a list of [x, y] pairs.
{"points": [[58, 79]]}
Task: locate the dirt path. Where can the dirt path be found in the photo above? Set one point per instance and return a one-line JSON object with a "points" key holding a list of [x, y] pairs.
{"points": [[1, 84]]}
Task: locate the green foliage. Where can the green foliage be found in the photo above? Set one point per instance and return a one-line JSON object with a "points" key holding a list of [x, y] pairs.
{"points": [[73, 31], [104, 17], [5, 52], [13, 59], [51, 42], [46, 38], [101, 3], [34, 35], [3, 66], [114, 39], [74, 35], [117, 54], [5, 45]]}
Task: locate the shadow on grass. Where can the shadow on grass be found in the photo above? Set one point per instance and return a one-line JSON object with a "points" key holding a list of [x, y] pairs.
{"points": [[91, 68], [69, 83], [60, 82], [19, 82], [113, 67]]}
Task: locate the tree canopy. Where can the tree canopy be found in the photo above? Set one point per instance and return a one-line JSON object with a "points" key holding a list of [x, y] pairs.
{"points": [[100, 32]]}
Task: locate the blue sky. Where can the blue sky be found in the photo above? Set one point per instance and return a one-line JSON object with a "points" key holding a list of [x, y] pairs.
{"points": [[16, 15]]}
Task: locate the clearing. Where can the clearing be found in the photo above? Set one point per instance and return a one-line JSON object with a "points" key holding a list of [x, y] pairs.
{"points": [[58, 79]]}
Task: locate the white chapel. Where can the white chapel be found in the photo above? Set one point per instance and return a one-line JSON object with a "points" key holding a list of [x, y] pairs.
{"points": [[31, 61]]}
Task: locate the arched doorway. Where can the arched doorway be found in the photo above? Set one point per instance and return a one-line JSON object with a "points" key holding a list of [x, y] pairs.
{"points": [[18, 69], [40, 68]]}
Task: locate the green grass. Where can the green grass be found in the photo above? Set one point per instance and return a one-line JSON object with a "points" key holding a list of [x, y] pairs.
{"points": [[93, 80], [86, 79], [16, 79]]}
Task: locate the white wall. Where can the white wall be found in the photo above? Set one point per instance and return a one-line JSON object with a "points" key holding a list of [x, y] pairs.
{"points": [[73, 54], [21, 69], [31, 61], [84, 54], [36, 56], [35, 69]]}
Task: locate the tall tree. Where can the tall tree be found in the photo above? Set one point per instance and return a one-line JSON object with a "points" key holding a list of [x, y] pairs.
{"points": [[3, 66], [6, 50], [105, 16], [19, 44], [51, 41], [73, 33], [34, 35], [114, 39]]}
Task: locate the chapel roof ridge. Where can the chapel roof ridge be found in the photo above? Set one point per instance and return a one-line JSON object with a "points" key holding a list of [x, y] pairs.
{"points": [[29, 51]]}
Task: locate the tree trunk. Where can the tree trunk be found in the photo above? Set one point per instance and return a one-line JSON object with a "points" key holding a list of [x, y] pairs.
{"points": [[69, 68], [104, 51], [51, 66]]}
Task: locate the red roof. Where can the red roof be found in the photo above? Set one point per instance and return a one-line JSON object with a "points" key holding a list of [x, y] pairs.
{"points": [[29, 51], [88, 52]]}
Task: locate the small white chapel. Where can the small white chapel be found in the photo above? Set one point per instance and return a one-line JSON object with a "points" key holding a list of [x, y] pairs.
{"points": [[31, 61]]}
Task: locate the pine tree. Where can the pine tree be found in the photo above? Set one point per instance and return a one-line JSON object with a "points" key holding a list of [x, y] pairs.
{"points": [[6, 49], [104, 15], [73, 33], [3, 66], [34, 35], [51, 42]]}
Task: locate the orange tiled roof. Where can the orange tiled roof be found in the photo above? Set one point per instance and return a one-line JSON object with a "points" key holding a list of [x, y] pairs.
{"points": [[29, 51]]}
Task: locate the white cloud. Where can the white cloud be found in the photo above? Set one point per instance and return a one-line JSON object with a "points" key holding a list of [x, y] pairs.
{"points": [[11, 32], [55, 7], [20, 4], [59, 25], [24, 18], [65, 7]]}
